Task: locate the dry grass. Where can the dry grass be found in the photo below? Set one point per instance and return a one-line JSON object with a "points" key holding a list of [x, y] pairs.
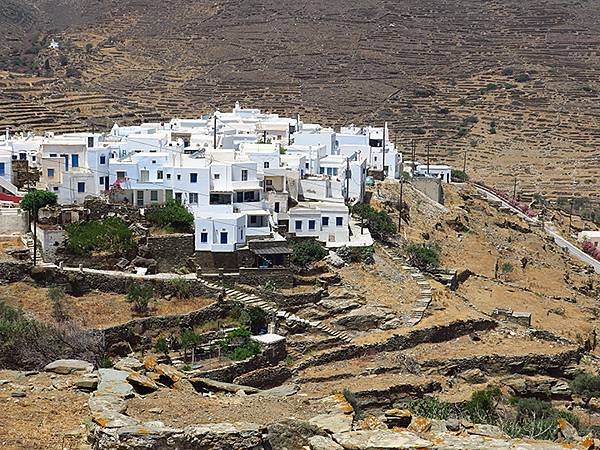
{"points": [[93, 310]]}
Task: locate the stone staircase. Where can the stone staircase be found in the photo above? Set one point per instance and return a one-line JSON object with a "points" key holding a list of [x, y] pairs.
{"points": [[27, 239], [425, 295], [272, 308]]}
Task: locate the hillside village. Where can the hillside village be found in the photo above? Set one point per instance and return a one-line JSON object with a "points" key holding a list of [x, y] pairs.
{"points": [[248, 280]]}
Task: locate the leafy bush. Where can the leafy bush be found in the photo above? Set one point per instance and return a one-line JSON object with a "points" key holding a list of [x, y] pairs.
{"points": [[110, 234], [255, 319], [481, 408], [181, 287], [507, 268], [522, 77], [139, 296], [244, 351], [424, 256], [357, 254], [536, 419], [161, 346], [189, 340], [379, 223], [432, 408], [586, 385], [306, 251], [459, 176], [26, 343], [40, 198], [172, 215]]}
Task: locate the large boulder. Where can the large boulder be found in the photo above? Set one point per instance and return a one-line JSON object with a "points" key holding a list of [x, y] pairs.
{"points": [[67, 366], [290, 434], [365, 318]]}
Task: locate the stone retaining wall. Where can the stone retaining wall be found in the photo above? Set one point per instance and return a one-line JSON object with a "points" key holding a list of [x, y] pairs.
{"points": [[170, 251], [135, 332], [439, 333], [11, 271]]}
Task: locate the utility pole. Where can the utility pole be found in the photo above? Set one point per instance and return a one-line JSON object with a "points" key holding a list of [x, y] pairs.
{"points": [[414, 155], [264, 136], [215, 132], [383, 148], [428, 145], [347, 179], [515, 188], [465, 163], [571, 215], [401, 205], [34, 212]]}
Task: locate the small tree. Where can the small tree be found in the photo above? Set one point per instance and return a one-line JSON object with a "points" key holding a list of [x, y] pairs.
{"points": [[171, 216], [424, 256], [459, 176], [379, 223], [37, 199], [162, 346], [139, 296], [189, 340], [307, 251]]}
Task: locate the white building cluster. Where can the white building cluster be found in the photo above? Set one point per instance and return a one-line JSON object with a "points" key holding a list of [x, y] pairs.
{"points": [[244, 174]]}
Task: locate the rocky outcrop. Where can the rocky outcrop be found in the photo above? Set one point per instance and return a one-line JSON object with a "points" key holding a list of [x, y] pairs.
{"points": [[66, 366]]}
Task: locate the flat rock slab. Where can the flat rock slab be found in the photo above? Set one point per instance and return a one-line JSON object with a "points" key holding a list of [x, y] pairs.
{"points": [[99, 403], [129, 363], [380, 440], [323, 443], [284, 390], [67, 366], [333, 423], [114, 382], [213, 385]]}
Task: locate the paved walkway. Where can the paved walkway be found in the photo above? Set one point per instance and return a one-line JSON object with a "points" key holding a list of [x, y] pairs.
{"points": [[549, 228]]}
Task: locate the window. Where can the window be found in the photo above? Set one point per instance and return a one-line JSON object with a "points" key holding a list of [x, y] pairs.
{"points": [[90, 141], [339, 221], [102, 159], [307, 166], [325, 221], [298, 225], [220, 199], [239, 197], [50, 173], [250, 196], [178, 196], [153, 196], [322, 170], [101, 181], [269, 183], [276, 207], [74, 160], [2, 169], [244, 175], [311, 224], [204, 237], [217, 176], [159, 174], [81, 187], [266, 164], [168, 176], [53, 155], [144, 176], [55, 188], [178, 177], [22, 156], [193, 197], [193, 177], [223, 237], [121, 175], [253, 220]]}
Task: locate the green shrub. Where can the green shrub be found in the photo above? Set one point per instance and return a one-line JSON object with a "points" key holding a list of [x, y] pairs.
{"points": [[256, 319], [586, 385], [536, 419], [522, 77], [40, 198], [307, 251], [181, 287], [357, 254], [424, 256], [110, 234], [244, 351], [172, 215], [161, 346], [507, 268], [459, 176], [139, 295], [481, 408], [432, 408], [379, 223]]}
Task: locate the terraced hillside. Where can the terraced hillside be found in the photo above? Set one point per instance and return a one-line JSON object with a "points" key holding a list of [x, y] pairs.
{"points": [[514, 84]]}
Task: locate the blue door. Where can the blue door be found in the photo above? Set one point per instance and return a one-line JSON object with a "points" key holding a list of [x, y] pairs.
{"points": [[223, 237], [2, 169], [74, 160]]}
